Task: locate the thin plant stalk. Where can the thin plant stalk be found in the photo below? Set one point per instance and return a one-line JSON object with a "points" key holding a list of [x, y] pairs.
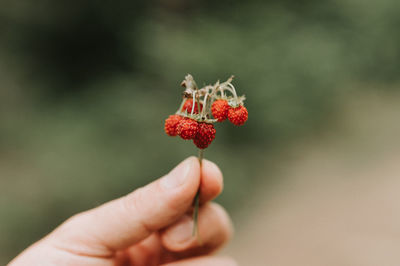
{"points": [[196, 204]]}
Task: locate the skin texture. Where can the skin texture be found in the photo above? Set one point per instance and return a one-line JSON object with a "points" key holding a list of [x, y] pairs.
{"points": [[150, 226]]}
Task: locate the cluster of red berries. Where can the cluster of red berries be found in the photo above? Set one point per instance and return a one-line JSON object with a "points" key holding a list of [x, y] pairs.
{"points": [[221, 110], [192, 120], [201, 133]]}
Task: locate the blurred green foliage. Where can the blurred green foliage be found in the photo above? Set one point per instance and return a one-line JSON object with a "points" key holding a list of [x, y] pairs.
{"points": [[86, 86]]}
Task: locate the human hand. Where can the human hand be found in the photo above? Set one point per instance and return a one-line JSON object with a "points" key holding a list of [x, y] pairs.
{"points": [[150, 226]]}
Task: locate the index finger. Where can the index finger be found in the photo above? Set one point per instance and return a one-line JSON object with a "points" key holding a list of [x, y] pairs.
{"points": [[125, 221]]}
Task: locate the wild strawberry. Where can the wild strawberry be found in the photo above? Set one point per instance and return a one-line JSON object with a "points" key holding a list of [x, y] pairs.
{"points": [[188, 105], [205, 135], [238, 115], [171, 123], [220, 109], [187, 128]]}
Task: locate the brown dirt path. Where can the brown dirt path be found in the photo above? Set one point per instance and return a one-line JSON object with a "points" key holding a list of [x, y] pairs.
{"points": [[338, 201]]}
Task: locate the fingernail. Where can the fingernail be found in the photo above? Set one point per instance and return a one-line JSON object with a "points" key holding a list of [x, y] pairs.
{"points": [[181, 232], [178, 175]]}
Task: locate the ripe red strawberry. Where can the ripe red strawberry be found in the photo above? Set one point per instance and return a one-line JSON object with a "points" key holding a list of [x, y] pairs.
{"points": [[188, 105], [171, 123], [205, 135], [187, 128], [220, 109], [238, 115]]}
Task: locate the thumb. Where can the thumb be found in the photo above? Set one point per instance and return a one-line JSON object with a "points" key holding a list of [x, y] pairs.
{"points": [[125, 221]]}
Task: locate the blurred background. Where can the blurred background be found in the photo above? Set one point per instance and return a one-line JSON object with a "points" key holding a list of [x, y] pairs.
{"points": [[85, 87]]}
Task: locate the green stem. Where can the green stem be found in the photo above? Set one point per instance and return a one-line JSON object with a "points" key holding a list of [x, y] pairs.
{"points": [[198, 108], [200, 155], [196, 204], [196, 214], [180, 107], [194, 102]]}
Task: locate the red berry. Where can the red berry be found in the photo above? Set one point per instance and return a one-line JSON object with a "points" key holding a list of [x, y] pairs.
{"points": [[220, 109], [187, 128], [238, 115], [188, 105], [171, 123], [205, 135]]}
